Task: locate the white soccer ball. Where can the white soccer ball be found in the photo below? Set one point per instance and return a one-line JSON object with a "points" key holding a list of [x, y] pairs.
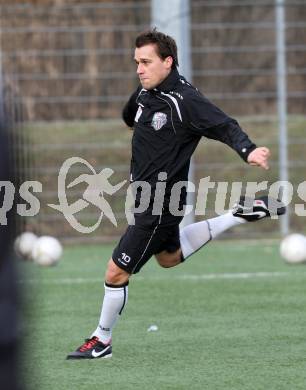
{"points": [[47, 251], [293, 248], [24, 244]]}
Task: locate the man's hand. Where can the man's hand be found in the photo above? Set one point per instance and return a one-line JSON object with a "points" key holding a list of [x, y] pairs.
{"points": [[259, 157]]}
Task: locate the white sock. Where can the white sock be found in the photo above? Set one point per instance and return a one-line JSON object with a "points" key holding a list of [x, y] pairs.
{"points": [[115, 299], [194, 236]]}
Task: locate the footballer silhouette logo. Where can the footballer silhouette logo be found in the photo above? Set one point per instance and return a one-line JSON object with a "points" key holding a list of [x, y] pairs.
{"points": [[97, 185]]}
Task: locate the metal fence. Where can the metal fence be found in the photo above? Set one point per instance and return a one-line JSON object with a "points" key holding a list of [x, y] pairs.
{"points": [[73, 67]]}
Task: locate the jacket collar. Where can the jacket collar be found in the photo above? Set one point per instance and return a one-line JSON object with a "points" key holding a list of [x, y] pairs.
{"points": [[169, 83]]}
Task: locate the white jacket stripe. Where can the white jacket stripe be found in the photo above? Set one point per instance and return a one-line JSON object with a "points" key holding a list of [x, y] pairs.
{"points": [[175, 103]]}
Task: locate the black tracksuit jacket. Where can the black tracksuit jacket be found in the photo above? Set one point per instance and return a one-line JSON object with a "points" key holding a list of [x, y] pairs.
{"points": [[168, 123]]}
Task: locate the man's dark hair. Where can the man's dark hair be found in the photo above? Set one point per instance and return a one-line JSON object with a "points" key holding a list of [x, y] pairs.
{"points": [[166, 46]]}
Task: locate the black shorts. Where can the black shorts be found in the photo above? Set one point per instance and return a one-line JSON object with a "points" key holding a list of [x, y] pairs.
{"points": [[139, 244]]}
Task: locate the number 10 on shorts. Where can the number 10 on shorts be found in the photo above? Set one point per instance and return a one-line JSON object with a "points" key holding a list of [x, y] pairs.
{"points": [[125, 258]]}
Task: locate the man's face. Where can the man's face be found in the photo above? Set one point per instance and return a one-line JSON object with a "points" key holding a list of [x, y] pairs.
{"points": [[151, 69]]}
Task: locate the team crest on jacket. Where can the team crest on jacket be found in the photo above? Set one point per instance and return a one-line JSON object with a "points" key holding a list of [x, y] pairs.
{"points": [[159, 120]]}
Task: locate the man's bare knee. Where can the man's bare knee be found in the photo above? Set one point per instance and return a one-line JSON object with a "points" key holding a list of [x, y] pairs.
{"points": [[168, 260], [167, 264], [115, 275]]}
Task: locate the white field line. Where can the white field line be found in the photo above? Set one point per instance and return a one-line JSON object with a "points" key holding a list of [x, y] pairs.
{"points": [[188, 277]]}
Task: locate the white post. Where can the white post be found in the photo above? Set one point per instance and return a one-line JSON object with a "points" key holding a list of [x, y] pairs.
{"points": [[172, 17], [282, 104]]}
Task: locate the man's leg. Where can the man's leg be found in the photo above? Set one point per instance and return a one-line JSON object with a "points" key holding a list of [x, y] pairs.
{"points": [[196, 235], [135, 248], [115, 299]]}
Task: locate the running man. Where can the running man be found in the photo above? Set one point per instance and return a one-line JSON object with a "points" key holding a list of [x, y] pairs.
{"points": [[169, 116]]}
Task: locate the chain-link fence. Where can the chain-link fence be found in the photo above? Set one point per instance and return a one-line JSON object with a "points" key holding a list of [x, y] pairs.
{"points": [[73, 67]]}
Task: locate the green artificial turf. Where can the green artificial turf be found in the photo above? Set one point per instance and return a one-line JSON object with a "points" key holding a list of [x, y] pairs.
{"points": [[231, 317]]}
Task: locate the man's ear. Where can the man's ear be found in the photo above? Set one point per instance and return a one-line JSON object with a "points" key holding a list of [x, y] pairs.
{"points": [[169, 62]]}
